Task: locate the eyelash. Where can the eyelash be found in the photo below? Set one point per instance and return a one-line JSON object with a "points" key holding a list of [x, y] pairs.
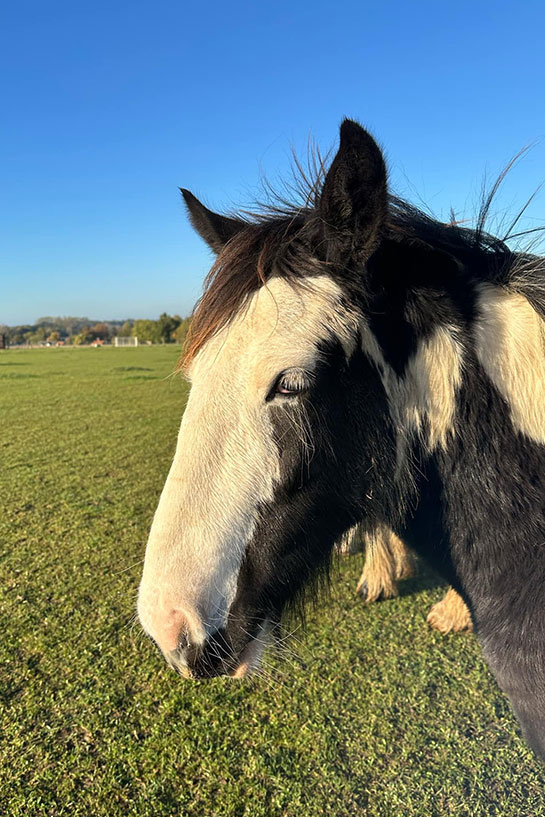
{"points": [[292, 389]]}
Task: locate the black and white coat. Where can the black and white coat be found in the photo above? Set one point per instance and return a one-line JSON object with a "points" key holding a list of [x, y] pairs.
{"points": [[355, 362]]}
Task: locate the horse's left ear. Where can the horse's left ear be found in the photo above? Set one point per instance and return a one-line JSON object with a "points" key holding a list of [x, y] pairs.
{"points": [[213, 228], [353, 202]]}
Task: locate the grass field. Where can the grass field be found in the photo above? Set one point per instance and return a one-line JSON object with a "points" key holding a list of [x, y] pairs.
{"points": [[377, 716]]}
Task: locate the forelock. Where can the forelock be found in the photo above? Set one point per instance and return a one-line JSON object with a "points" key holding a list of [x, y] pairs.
{"points": [[262, 250]]}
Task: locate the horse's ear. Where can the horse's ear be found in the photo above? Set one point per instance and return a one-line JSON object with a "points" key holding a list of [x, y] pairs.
{"points": [[353, 202], [213, 228]]}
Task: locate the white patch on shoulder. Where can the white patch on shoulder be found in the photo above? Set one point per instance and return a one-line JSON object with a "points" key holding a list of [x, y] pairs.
{"points": [[423, 401], [510, 346]]}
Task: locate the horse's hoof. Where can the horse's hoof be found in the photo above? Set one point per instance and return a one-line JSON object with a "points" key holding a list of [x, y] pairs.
{"points": [[450, 615], [362, 589], [368, 597]]}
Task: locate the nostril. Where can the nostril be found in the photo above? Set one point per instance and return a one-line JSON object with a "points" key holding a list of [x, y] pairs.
{"points": [[173, 628], [172, 623]]}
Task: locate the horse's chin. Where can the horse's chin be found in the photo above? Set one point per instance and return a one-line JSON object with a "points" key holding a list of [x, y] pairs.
{"points": [[241, 671], [252, 653]]}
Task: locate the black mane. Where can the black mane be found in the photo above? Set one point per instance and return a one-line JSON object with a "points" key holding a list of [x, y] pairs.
{"points": [[282, 238]]}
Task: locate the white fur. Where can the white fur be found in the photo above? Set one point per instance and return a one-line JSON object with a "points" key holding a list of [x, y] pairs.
{"points": [[510, 345], [425, 392]]}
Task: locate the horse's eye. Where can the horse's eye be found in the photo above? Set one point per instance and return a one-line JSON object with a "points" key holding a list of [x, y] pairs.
{"points": [[289, 384]]}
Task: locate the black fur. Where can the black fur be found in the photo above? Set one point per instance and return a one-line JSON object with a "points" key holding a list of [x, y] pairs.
{"points": [[216, 230]]}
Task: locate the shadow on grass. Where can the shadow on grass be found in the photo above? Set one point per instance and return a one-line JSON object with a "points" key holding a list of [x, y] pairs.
{"points": [[425, 579], [17, 375], [131, 369]]}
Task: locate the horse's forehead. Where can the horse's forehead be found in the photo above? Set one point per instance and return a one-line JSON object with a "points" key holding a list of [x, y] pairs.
{"points": [[282, 326], [283, 308]]}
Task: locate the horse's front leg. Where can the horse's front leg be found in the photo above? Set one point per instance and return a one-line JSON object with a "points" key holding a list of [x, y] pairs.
{"points": [[450, 615], [387, 561], [518, 664]]}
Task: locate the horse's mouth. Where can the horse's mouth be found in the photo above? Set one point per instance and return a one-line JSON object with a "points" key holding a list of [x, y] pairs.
{"points": [[211, 662]]}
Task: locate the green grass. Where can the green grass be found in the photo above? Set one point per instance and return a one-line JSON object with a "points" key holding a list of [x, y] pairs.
{"points": [[381, 716]]}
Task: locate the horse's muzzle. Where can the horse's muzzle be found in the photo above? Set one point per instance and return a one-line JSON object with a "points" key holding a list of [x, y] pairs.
{"points": [[215, 657]]}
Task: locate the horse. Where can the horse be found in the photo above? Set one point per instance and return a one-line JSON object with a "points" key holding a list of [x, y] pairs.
{"points": [[354, 361]]}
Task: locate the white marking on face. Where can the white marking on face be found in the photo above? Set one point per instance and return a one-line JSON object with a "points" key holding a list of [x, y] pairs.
{"points": [[226, 460], [510, 345]]}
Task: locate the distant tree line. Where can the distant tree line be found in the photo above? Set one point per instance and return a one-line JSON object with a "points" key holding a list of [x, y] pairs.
{"points": [[82, 331]]}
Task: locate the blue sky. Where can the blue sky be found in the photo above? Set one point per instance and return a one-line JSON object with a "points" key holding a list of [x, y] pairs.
{"points": [[108, 107]]}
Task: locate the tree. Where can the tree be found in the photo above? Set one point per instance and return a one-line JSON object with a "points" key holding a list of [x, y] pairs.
{"points": [[84, 337], [180, 333], [147, 331], [18, 334], [100, 330], [54, 337], [167, 325], [126, 330], [38, 336]]}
